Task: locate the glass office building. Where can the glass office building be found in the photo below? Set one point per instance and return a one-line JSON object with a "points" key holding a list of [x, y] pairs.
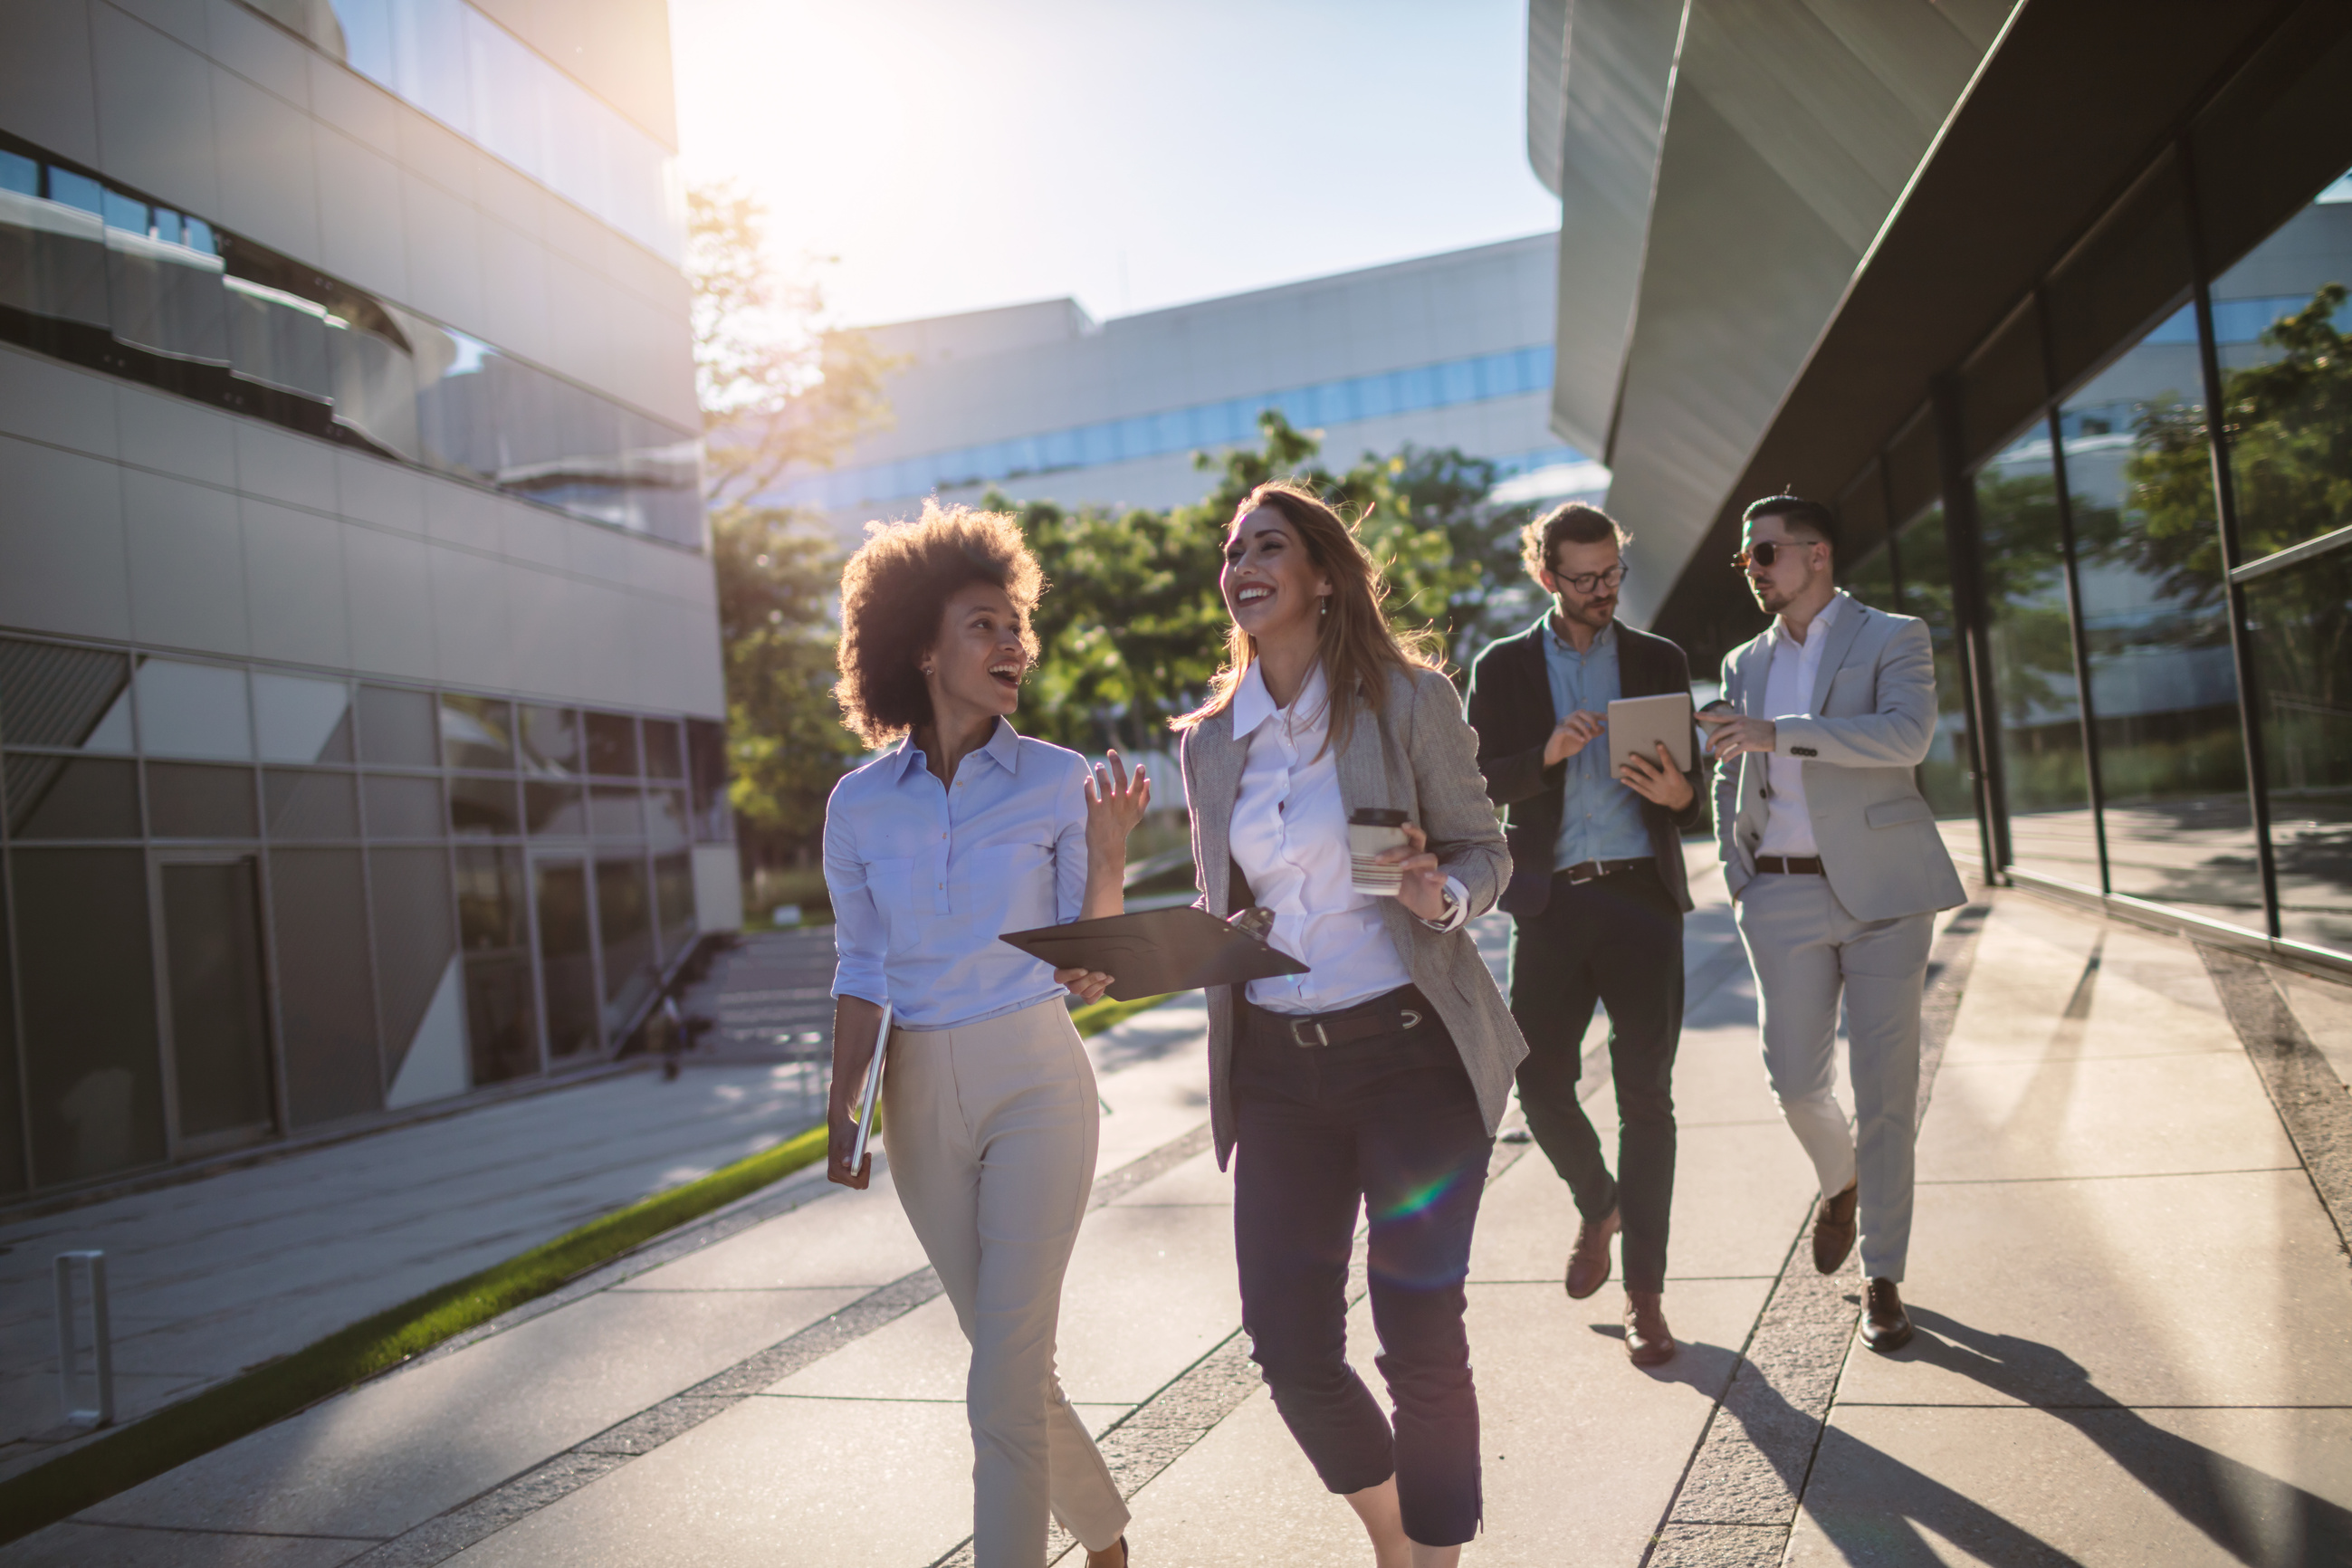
{"points": [[361, 714], [2085, 406]]}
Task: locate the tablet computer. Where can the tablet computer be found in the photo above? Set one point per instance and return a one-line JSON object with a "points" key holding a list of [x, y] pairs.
{"points": [[1639, 723]]}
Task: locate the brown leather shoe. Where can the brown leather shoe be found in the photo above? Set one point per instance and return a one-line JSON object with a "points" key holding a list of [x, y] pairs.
{"points": [[1886, 1326], [1648, 1341], [1833, 1228], [1587, 1261]]}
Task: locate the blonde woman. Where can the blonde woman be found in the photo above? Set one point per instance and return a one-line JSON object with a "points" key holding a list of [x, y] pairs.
{"points": [[963, 830], [1378, 1076]]}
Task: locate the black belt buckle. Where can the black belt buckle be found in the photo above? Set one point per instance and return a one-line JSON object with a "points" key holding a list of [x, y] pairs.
{"points": [[1584, 872], [1300, 1030]]}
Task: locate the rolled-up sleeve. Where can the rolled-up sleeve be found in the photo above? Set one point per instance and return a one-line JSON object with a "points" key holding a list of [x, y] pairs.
{"points": [[860, 932], [1070, 848]]}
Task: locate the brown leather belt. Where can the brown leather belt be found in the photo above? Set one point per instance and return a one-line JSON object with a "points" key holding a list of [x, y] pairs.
{"points": [[1387, 1013], [1593, 870], [1790, 864]]}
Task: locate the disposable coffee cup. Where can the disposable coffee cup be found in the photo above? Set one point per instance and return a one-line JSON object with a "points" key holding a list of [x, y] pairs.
{"points": [[1371, 832]]}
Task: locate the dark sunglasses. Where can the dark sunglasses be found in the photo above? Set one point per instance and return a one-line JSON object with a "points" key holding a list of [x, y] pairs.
{"points": [[1764, 551]]}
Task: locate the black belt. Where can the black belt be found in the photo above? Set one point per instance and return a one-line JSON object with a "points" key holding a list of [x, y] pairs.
{"points": [[1790, 864], [1593, 870], [1387, 1013]]}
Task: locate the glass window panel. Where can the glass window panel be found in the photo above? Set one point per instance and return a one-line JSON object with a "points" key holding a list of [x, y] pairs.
{"points": [[277, 338], [1061, 449], [706, 747], [567, 966], [19, 173], [616, 813], [2284, 321], [300, 718], [1947, 778], [398, 727], [77, 191], [416, 938], [674, 901], [309, 805], [501, 1019], [2275, 133], [1375, 395], [613, 745], [2001, 390], [220, 1029], [192, 710], [555, 810], [93, 1065], [483, 807], [476, 731], [1872, 579], [667, 810], [1458, 382], [53, 695], [14, 1175], [551, 741], [1133, 437], [71, 798], [326, 998], [1914, 480], [166, 295], [665, 748], [2132, 271], [1862, 520], [2301, 619], [402, 806], [507, 118], [491, 901], [2043, 768], [624, 925], [189, 800], [2164, 690], [1334, 403], [372, 378], [1417, 388], [1096, 444]]}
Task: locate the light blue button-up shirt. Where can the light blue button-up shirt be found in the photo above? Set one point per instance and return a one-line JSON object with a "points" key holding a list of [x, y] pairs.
{"points": [[924, 878], [1600, 818]]}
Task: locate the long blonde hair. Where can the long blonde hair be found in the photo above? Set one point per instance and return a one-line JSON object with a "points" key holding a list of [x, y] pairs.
{"points": [[1356, 645]]}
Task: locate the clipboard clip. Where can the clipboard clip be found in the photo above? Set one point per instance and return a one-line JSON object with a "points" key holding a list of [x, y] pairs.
{"points": [[1257, 921]]}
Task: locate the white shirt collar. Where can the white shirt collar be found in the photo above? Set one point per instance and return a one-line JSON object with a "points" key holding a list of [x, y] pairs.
{"points": [[1254, 704], [1828, 614]]}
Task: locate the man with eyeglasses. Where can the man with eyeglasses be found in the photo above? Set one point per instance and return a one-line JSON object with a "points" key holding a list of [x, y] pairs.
{"points": [[1836, 871], [1596, 896]]}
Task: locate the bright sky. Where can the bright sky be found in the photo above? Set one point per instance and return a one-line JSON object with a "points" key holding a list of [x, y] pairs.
{"points": [[955, 155]]}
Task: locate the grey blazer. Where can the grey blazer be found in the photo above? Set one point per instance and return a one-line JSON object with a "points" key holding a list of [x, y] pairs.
{"points": [[1870, 723], [1420, 758]]}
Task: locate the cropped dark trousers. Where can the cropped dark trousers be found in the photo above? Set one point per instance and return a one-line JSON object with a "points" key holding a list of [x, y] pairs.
{"points": [[1392, 1124], [1618, 938]]}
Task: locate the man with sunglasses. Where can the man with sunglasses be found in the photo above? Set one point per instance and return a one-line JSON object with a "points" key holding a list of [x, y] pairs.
{"points": [[1596, 896], [1836, 871]]}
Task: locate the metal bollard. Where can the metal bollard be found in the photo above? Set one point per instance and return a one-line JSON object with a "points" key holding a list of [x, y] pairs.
{"points": [[101, 1340]]}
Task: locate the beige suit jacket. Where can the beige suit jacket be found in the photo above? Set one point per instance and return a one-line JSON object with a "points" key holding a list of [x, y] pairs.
{"points": [[1420, 758], [1870, 722]]}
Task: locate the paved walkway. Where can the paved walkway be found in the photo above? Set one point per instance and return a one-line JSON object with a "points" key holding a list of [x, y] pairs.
{"points": [[2135, 1308]]}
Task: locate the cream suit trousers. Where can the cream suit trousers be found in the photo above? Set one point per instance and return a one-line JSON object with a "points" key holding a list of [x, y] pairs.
{"points": [[990, 1131], [1806, 948]]}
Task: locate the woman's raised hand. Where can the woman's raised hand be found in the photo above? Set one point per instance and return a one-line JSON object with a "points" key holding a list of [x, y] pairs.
{"points": [[1115, 802]]}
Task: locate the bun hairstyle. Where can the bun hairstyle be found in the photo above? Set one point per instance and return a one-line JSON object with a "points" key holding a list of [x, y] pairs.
{"points": [[893, 592], [1356, 645]]}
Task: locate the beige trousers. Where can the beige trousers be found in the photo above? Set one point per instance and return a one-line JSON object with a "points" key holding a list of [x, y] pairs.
{"points": [[990, 1131]]}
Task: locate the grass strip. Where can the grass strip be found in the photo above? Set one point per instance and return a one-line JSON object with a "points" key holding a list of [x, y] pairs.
{"points": [[221, 1414]]}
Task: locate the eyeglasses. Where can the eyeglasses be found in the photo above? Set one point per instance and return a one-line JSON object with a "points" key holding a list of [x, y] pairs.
{"points": [[1764, 550], [1585, 581]]}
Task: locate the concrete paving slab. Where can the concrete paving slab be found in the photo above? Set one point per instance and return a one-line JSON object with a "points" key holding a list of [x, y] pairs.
{"points": [[851, 1484], [407, 1446], [78, 1546], [1197, 1181], [2048, 982], [2164, 1290], [2324, 1008], [1244, 1496], [841, 1238], [2182, 1488], [2084, 1116]]}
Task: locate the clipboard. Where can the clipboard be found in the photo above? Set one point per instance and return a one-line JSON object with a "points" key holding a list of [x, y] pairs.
{"points": [[1158, 950], [1639, 723], [872, 1095]]}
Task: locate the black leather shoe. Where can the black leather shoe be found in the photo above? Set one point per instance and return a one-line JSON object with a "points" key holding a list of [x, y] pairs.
{"points": [[1886, 1326], [1833, 1228], [1587, 1261], [1648, 1341]]}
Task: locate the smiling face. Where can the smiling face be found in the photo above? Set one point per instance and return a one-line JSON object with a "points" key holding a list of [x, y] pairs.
{"points": [[976, 665], [1273, 588], [1799, 563]]}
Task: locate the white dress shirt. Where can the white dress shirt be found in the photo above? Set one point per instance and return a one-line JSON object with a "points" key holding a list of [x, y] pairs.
{"points": [[1789, 694], [1289, 835]]}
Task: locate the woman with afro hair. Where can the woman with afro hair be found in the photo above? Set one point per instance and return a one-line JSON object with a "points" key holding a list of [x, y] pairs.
{"points": [[960, 831]]}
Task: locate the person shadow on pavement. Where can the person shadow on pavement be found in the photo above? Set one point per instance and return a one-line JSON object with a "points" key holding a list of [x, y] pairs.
{"points": [[2243, 1510]]}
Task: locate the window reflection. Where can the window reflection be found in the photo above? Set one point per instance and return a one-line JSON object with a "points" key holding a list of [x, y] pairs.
{"points": [[476, 731], [212, 315], [191, 710], [551, 741], [297, 719]]}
